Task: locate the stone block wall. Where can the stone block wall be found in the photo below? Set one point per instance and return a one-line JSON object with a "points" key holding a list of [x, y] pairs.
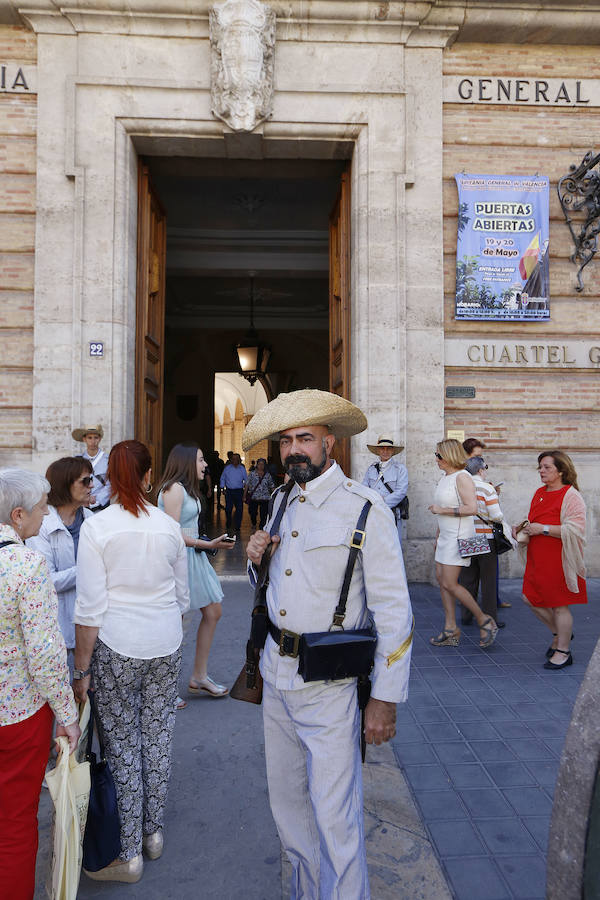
{"points": [[520, 410], [17, 238]]}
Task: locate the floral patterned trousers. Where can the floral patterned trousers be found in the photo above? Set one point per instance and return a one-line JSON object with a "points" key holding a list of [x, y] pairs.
{"points": [[135, 699]]}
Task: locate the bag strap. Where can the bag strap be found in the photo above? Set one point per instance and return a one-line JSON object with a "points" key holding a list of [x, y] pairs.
{"points": [[256, 486], [263, 571], [94, 721], [6, 543], [356, 542]]}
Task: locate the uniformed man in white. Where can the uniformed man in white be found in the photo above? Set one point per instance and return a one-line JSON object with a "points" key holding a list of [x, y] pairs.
{"points": [[91, 435], [389, 476], [312, 730]]}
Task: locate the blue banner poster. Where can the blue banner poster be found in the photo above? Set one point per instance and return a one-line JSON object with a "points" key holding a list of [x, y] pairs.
{"points": [[502, 267]]}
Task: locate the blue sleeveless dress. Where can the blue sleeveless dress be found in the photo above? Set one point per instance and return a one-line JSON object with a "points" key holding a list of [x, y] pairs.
{"points": [[205, 586]]}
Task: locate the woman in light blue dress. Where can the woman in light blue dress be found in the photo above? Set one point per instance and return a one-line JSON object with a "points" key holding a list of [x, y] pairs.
{"points": [[180, 496]]}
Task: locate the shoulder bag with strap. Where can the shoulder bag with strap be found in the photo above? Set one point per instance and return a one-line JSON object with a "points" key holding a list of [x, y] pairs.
{"points": [[6, 543], [500, 540]]}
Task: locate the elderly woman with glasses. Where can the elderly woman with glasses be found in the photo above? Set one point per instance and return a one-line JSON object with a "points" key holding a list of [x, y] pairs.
{"points": [[455, 505], [70, 481], [34, 678]]}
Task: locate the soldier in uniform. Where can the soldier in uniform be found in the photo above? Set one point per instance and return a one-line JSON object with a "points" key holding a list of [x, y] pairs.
{"points": [[91, 435], [312, 730], [389, 476]]}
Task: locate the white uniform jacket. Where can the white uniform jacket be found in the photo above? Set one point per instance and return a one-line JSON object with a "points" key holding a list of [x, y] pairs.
{"points": [[56, 544], [101, 485], [394, 474], [307, 571]]}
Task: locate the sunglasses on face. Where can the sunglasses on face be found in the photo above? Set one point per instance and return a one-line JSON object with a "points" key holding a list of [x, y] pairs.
{"points": [[86, 480], [438, 456]]}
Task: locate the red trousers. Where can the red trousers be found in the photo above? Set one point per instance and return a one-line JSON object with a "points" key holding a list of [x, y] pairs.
{"points": [[23, 756]]}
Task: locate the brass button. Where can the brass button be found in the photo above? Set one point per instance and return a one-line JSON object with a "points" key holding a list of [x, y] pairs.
{"points": [[288, 571], [302, 499], [349, 483], [294, 534], [282, 612]]}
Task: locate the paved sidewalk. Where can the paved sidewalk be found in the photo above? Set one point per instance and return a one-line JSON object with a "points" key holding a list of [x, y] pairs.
{"points": [[480, 740], [479, 743]]}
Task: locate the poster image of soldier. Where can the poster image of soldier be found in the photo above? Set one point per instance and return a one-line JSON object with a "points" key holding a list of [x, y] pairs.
{"points": [[502, 260]]}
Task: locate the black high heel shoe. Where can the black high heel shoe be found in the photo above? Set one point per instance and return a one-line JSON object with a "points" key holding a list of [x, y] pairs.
{"points": [[555, 666], [551, 650]]}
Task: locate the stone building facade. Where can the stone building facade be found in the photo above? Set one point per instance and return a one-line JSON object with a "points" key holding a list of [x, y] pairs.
{"points": [[366, 89]]}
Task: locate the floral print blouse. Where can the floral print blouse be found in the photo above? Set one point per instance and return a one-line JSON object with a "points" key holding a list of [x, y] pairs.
{"points": [[33, 656]]}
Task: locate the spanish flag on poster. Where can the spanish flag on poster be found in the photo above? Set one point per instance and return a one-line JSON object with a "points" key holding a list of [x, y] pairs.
{"points": [[530, 258]]}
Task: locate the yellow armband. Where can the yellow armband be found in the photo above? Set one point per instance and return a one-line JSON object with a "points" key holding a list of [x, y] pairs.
{"points": [[399, 653]]}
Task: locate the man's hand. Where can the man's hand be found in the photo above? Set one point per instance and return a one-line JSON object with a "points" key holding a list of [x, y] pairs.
{"points": [[257, 545], [380, 721], [72, 732]]}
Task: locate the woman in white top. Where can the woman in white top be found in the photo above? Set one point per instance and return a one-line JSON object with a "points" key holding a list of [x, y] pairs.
{"points": [[455, 504], [132, 589]]}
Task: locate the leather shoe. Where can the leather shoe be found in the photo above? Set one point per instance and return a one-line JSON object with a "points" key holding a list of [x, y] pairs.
{"points": [[130, 871], [554, 667], [153, 844]]}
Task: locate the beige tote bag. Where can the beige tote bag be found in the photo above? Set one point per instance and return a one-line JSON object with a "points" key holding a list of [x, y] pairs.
{"points": [[69, 786]]}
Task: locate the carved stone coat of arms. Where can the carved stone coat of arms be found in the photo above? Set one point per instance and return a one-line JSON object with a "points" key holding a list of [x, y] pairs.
{"points": [[242, 40]]}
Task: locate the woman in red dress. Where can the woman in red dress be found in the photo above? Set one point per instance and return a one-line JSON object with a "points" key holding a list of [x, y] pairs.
{"points": [[555, 572]]}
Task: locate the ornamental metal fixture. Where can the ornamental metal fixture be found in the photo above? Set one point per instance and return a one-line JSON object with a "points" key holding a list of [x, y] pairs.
{"points": [[579, 196]]}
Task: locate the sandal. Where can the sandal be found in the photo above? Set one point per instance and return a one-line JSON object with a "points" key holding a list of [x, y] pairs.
{"points": [[180, 703], [552, 650], [208, 686], [491, 631], [447, 638]]}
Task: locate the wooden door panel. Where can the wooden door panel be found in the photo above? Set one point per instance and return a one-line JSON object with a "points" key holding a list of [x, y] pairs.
{"points": [[339, 306], [150, 318]]}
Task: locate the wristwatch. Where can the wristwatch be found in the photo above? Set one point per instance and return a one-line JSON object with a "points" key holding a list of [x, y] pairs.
{"points": [[546, 530], [78, 674]]}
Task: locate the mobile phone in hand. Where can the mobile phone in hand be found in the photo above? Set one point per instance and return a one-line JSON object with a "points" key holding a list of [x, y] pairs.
{"points": [[229, 540]]}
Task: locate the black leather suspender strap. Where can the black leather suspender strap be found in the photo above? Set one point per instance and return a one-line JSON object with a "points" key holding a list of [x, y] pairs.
{"points": [[273, 531], [384, 483], [356, 542]]}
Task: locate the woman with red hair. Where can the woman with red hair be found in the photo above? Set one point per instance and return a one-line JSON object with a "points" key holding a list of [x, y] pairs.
{"points": [[132, 589]]}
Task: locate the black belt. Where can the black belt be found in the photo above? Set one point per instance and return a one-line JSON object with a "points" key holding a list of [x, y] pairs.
{"points": [[287, 641]]}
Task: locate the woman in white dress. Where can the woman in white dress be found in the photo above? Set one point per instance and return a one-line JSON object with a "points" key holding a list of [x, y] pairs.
{"points": [[455, 504]]}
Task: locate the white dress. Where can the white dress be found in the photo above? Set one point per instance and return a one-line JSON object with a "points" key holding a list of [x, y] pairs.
{"points": [[451, 527]]}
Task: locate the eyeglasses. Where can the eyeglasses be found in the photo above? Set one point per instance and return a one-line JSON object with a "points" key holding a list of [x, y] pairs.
{"points": [[438, 456], [86, 480]]}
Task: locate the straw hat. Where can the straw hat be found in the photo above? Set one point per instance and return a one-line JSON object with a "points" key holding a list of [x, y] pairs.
{"points": [[79, 433], [307, 407], [385, 441]]}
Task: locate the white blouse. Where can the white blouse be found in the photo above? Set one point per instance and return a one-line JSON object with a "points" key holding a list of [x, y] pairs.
{"points": [[132, 581]]}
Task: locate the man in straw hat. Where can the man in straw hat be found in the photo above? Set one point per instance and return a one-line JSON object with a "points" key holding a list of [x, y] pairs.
{"points": [[91, 435], [388, 476], [312, 728]]}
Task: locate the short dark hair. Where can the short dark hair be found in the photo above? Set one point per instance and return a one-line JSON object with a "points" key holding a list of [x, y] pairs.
{"points": [[63, 473], [470, 444]]}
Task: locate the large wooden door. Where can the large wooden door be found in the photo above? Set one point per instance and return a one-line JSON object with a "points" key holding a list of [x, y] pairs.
{"points": [[150, 319], [339, 306]]}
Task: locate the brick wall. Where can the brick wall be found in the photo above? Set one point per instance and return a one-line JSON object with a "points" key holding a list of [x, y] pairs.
{"points": [[17, 236], [520, 408]]}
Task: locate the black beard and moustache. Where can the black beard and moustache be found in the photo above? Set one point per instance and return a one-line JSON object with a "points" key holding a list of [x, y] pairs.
{"points": [[302, 474]]}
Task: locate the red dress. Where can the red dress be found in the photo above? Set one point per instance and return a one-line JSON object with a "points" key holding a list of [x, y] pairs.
{"points": [[544, 581]]}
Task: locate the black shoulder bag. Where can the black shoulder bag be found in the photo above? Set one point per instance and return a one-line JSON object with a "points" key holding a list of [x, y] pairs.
{"points": [[102, 837]]}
